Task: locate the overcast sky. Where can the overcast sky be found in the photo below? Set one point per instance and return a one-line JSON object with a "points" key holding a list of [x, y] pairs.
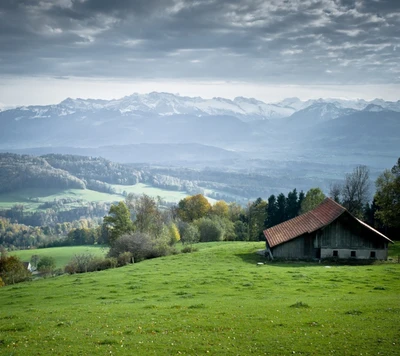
{"points": [[51, 49]]}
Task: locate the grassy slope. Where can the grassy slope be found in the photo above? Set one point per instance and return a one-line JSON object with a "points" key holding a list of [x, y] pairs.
{"points": [[25, 196], [62, 255], [215, 301], [140, 188]]}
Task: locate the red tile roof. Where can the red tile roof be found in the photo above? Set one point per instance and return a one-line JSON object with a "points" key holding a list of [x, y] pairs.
{"points": [[311, 221], [325, 213]]}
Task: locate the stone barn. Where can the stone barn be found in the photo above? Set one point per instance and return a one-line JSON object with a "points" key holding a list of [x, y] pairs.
{"points": [[328, 231]]}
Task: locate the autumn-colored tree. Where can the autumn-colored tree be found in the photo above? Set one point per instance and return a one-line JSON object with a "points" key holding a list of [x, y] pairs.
{"points": [[12, 270], [174, 233], [193, 208], [221, 209]]}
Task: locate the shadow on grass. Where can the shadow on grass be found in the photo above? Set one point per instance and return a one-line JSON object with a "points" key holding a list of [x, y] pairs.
{"points": [[255, 258], [251, 257]]}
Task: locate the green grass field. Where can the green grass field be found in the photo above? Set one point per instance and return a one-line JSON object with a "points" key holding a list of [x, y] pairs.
{"points": [[216, 301], [27, 197], [140, 188], [32, 198], [62, 255]]}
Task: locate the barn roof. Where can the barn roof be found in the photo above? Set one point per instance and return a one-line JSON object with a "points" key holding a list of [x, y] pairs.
{"points": [[325, 213]]}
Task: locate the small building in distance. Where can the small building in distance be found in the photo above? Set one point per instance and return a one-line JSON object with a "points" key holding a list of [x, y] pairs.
{"points": [[28, 266], [328, 231]]}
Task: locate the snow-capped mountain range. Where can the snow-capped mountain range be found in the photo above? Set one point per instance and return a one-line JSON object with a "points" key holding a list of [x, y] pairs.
{"points": [[113, 128], [166, 104]]}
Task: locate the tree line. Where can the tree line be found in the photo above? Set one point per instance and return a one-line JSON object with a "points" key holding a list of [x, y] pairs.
{"points": [[64, 172], [197, 220], [56, 212]]}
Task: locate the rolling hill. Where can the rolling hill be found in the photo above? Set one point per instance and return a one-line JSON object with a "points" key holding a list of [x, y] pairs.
{"points": [[216, 301]]}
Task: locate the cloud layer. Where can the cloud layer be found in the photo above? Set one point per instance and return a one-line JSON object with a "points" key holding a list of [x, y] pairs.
{"points": [[293, 41]]}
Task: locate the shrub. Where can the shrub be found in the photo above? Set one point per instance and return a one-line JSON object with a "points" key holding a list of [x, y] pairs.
{"points": [[100, 264], [71, 268], [124, 258], [138, 244], [46, 265], [89, 263], [58, 272], [142, 246], [189, 233], [79, 263], [189, 249], [210, 230], [12, 270]]}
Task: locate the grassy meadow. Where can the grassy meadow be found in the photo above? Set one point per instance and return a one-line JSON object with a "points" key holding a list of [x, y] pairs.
{"points": [[32, 198], [215, 301], [171, 196], [62, 255]]}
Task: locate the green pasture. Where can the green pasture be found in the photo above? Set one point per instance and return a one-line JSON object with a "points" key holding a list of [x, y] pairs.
{"points": [[140, 188], [62, 255], [216, 301], [31, 198], [170, 196]]}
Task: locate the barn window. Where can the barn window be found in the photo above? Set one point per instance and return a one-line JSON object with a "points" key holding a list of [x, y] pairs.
{"points": [[335, 253], [353, 254], [372, 254]]}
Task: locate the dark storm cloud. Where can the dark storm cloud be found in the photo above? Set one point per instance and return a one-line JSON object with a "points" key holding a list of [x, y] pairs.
{"points": [[302, 42]]}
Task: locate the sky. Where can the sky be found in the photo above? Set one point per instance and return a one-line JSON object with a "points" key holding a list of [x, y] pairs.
{"points": [[270, 50]]}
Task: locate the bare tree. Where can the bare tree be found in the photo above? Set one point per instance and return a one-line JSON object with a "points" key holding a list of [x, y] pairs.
{"points": [[356, 190], [335, 191]]}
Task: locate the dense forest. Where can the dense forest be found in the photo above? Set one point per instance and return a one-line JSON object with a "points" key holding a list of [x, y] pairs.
{"points": [[20, 236], [22, 171], [54, 213], [63, 171], [95, 169]]}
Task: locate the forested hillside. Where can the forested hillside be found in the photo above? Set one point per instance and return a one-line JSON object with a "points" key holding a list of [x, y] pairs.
{"points": [[64, 172], [95, 168], [22, 171]]}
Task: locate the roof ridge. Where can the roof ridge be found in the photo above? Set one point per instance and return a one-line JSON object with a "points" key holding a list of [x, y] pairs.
{"points": [[374, 230], [333, 201]]}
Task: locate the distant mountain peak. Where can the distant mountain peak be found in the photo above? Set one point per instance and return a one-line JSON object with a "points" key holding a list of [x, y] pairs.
{"points": [[374, 108], [167, 104]]}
